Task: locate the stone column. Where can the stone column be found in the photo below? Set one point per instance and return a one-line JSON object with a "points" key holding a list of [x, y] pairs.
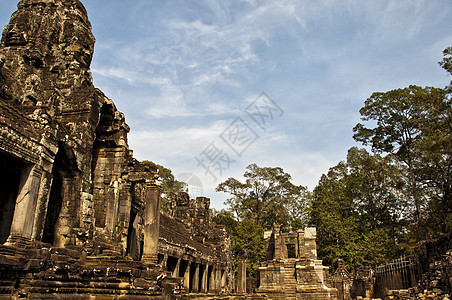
{"points": [[187, 277], [279, 243], [164, 261], [195, 283], [176, 269], [300, 243], [212, 284], [151, 222], [204, 279], [41, 205], [310, 235], [69, 217], [217, 280], [24, 213], [223, 280], [241, 277]]}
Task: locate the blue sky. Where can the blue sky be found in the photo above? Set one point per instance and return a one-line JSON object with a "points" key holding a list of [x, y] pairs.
{"points": [[187, 73]]}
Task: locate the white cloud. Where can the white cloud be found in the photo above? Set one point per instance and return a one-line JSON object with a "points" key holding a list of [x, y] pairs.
{"points": [[174, 144], [186, 69]]}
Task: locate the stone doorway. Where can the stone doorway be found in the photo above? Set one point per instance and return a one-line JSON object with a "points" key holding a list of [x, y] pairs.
{"points": [[63, 172], [133, 246], [10, 178]]}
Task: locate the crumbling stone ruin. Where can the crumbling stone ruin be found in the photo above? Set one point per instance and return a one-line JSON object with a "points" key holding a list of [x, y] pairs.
{"points": [[80, 218], [425, 274], [432, 271], [79, 215], [193, 248], [292, 270]]}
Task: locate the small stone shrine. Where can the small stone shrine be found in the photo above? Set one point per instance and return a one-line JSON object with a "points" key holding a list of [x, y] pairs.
{"points": [[292, 270]]}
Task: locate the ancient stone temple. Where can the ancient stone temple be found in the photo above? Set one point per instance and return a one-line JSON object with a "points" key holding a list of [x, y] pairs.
{"points": [[79, 215], [194, 248], [292, 270]]}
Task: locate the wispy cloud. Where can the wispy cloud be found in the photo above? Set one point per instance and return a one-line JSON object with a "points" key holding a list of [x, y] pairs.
{"points": [[183, 70]]}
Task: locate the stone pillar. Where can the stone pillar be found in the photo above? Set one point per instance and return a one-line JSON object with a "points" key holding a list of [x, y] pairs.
{"points": [[223, 280], [41, 206], [241, 277], [187, 277], [195, 283], [212, 279], [151, 222], [204, 279], [70, 211], [176, 269], [300, 243], [112, 203], [24, 213], [217, 280], [310, 235], [164, 263], [279, 242]]}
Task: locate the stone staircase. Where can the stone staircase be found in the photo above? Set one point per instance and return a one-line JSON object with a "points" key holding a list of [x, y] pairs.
{"points": [[60, 273], [290, 279]]}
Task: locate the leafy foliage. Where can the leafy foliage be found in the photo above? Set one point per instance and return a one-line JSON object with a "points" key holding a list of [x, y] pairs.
{"points": [[357, 211], [170, 186], [247, 239], [446, 63], [413, 124], [248, 243], [266, 197]]}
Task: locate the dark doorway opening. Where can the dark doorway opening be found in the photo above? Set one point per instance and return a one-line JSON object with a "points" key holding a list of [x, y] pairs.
{"points": [[183, 268], [192, 276], [10, 178], [171, 264], [291, 251], [133, 248], [201, 282], [63, 166]]}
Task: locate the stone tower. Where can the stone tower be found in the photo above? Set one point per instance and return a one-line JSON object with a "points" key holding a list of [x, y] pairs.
{"points": [[79, 216], [77, 180]]}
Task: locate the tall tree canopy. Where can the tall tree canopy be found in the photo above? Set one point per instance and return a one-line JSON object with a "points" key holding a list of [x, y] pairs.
{"points": [[446, 63], [414, 125], [247, 240], [266, 197], [357, 211]]}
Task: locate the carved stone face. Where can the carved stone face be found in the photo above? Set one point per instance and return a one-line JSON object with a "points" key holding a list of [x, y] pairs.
{"points": [[63, 35], [51, 39], [13, 35], [78, 46], [183, 199]]}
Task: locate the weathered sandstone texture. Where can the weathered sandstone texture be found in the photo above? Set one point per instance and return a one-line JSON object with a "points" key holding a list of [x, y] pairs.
{"points": [[79, 216], [292, 270]]}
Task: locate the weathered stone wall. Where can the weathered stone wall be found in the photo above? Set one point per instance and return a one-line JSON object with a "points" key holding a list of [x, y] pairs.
{"points": [[433, 264], [79, 216], [298, 277], [194, 248]]}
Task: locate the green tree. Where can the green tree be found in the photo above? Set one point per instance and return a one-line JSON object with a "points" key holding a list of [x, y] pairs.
{"points": [[224, 217], [266, 197], [247, 239], [170, 186], [446, 63], [357, 210], [402, 120], [248, 243]]}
